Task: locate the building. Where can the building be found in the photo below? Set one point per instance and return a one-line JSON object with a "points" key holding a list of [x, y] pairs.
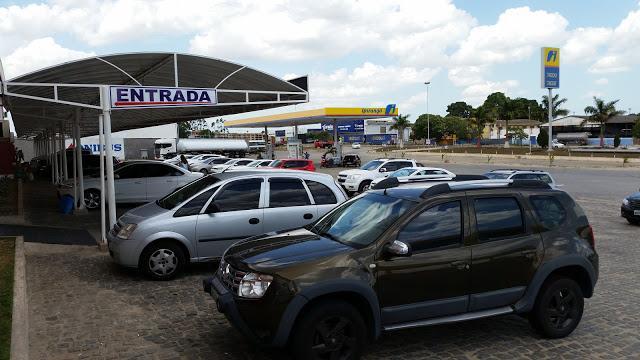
{"points": [[580, 129], [497, 129]]}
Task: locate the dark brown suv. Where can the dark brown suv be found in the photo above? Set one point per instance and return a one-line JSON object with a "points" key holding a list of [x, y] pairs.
{"points": [[410, 256]]}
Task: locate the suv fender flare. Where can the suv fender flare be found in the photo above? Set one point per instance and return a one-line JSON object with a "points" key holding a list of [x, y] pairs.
{"points": [[294, 308], [525, 304]]}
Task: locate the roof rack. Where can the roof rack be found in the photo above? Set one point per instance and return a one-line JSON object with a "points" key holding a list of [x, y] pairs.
{"points": [[532, 170], [394, 182]]}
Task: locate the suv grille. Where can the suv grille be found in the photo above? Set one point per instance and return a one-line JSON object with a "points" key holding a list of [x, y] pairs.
{"points": [[635, 204], [230, 276], [342, 178]]}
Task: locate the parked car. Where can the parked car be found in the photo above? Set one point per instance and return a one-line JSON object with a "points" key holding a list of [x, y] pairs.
{"points": [[206, 165], [176, 159], [416, 174], [139, 181], [202, 157], [355, 145], [516, 174], [412, 256], [351, 160], [323, 144], [256, 164], [359, 180], [230, 164], [199, 221], [294, 164], [630, 208], [557, 145]]}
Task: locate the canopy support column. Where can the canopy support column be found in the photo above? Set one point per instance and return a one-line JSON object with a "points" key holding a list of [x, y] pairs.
{"points": [[63, 150], [111, 196], [75, 168], [50, 156], [103, 232], [54, 151], [78, 149], [336, 143]]}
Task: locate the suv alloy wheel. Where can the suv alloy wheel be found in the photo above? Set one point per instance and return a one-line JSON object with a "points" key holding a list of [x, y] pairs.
{"points": [[558, 308], [366, 184], [330, 330]]}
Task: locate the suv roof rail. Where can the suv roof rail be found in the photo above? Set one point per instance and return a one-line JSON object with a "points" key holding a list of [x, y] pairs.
{"points": [[532, 170], [464, 177], [436, 190], [386, 184], [529, 184]]}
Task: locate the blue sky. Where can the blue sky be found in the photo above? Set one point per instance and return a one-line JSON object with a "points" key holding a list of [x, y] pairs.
{"points": [[364, 53]]}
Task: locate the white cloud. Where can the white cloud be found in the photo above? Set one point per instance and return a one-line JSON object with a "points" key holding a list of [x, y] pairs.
{"points": [[30, 57], [624, 47], [414, 105], [602, 81], [477, 93], [584, 44]]}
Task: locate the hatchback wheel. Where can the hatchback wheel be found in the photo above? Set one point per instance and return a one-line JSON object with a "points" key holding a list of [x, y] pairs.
{"points": [[91, 199], [330, 330], [204, 171], [162, 260], [558, 308]]}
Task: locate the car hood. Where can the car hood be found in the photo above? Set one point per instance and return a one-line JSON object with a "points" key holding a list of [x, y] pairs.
{"points": [[634, 196], [357, 172], [283, 248], [141, 213]]}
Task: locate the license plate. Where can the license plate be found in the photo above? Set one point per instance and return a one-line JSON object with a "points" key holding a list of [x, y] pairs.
{"points": [[636, 212]]}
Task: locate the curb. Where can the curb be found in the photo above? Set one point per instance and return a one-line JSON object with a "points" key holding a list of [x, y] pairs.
{"points": [[20, 314]]}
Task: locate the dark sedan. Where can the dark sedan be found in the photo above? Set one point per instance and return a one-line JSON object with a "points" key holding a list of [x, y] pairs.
{"points": [[630, 208]]}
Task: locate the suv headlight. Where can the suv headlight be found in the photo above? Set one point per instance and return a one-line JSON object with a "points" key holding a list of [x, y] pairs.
{"points": [[254, 285], [625, 202], [126, 231], [351, 177]]}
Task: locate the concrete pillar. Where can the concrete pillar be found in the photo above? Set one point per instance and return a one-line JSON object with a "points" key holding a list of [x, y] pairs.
{"points": [[268, 147], [103, 225], [295, 136], [336, 143], [65, 166], [78, 150], [54, 151], [75, 167], [111, 195]]}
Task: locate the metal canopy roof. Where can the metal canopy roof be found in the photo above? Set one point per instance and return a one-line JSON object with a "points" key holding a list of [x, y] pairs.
{"points": [[316, 116], [42, 99]]}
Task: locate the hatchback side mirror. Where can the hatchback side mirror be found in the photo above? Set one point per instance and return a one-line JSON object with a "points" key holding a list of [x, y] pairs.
{"points": [[397, 249], [212, 208]]}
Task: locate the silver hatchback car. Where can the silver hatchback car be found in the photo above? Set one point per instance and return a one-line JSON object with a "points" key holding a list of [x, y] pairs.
{"points": [[199, 221]]}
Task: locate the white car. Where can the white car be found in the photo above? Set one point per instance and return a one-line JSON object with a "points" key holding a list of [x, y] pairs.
{"points": [[416, 174], [205, 166], [355, 145], [557, 145], [139, 181], [516, 174], [229, 164], [256, 164], [203, 157], [359, 180]]}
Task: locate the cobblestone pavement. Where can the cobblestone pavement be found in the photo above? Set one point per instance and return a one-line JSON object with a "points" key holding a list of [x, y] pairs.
{"points": [[83, 306]]}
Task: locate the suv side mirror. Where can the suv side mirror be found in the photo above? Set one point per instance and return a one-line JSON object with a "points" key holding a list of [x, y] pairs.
{"points": [[382, 169], [398, 249]]}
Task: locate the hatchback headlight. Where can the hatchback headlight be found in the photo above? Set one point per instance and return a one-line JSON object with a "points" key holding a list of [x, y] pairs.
{"points": [[625, 202], [254, 285], [126, 231]]}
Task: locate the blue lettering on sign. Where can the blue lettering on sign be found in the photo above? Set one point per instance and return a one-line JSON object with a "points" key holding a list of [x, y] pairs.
{"points": [[121, 95], [165, 95], [551, 77], [551, 56], [151, 93], [204, 97], [117, 147], [137, 94], [178, 96], [192, 95]]}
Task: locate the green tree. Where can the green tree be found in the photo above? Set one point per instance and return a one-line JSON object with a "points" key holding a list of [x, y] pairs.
{"points": [[459, 109], [616, 140], [543, 138], [601, 112], [480, 117], [401, 122], [557, 111], [519, 134], [419, 127], [184, 129]]}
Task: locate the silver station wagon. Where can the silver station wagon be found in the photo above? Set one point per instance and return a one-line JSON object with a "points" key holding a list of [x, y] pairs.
{"points": [[199, 221]]}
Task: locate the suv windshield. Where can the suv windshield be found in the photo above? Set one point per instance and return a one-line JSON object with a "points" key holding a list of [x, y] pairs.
{"points": [[493, 175], [181, 194], [371, 165], [361, 221]]}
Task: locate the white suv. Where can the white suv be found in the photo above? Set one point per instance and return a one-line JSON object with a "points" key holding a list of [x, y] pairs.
{"points": [[359, 180], [515, 174]]}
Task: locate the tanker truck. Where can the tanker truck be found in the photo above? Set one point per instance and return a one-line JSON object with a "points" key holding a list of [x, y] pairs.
{"points": [[167, 147]]}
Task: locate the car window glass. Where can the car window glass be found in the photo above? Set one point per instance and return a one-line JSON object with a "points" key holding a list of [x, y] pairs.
{"points": [[130, 172], [525, 177], [437, 227], [284, 192], [546, 178], [159, 170], [194, 206], [243, 162], [238, 195], [498, 217], [391, 166], [322, 195], [549, 210]]}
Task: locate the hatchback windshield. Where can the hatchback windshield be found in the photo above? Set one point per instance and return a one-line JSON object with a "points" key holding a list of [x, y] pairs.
{"points": [[181, 194], [275, 163], [402, 172], [361, 221], [371, 165], [493, 175]]}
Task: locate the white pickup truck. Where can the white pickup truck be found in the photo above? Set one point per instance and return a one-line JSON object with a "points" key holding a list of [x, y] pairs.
{"points": [[359, 180]]}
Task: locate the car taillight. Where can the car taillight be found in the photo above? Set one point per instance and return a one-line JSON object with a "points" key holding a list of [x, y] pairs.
{"points": [[590, 237]]}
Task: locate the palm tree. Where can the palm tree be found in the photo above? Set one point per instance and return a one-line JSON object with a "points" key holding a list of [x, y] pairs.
{"points": [[480, 116], [601, 113], [402, 122], [556, 106]]}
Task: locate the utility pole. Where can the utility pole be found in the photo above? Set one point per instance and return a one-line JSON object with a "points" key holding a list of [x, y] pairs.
{"points": [[428, 122], [550, 118]]}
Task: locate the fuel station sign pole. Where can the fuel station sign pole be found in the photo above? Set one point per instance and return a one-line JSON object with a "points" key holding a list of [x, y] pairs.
{"points": [[550, 73]]}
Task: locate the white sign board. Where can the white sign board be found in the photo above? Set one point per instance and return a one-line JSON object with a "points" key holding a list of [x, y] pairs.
{"points": [[136, 97]]}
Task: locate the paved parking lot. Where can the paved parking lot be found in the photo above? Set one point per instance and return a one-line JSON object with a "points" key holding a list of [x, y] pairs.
{"points": [[82, 306]]}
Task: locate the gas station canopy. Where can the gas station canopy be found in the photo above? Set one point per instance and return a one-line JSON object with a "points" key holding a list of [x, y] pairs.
{"points": [[316, 116], [53, 95]]}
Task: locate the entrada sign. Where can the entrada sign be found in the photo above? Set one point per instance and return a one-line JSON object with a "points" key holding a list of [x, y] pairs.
{"points": [[131, 97]]}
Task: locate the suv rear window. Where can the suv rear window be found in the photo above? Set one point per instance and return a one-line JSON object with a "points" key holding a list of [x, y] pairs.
{"points": [[549, 210], [498, 217]]}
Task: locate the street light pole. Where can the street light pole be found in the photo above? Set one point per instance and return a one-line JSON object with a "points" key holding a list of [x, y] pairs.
{"points": [[428, 122]]}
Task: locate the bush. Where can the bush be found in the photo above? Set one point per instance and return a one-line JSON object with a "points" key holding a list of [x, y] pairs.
{"points": [[616, 141], [543, 139]]}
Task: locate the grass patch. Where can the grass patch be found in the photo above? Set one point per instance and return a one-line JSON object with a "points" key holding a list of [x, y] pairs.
{"points": [[7, 253]]}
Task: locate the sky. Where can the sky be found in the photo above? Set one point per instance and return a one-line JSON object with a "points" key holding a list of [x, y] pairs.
{"points": [[356, 53]]}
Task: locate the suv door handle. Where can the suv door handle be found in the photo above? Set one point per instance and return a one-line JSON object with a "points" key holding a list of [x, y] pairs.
{"points": [[308, 216], [254, 221], [529, 254], [460, 265]]}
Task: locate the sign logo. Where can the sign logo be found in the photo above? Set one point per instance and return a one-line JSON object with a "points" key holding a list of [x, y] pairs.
{"points": [[390, 109], [132, 97], [550, 69]]}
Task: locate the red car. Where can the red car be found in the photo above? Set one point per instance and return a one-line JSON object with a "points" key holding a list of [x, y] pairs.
{"points": [[294, 164], [322, 144]]}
